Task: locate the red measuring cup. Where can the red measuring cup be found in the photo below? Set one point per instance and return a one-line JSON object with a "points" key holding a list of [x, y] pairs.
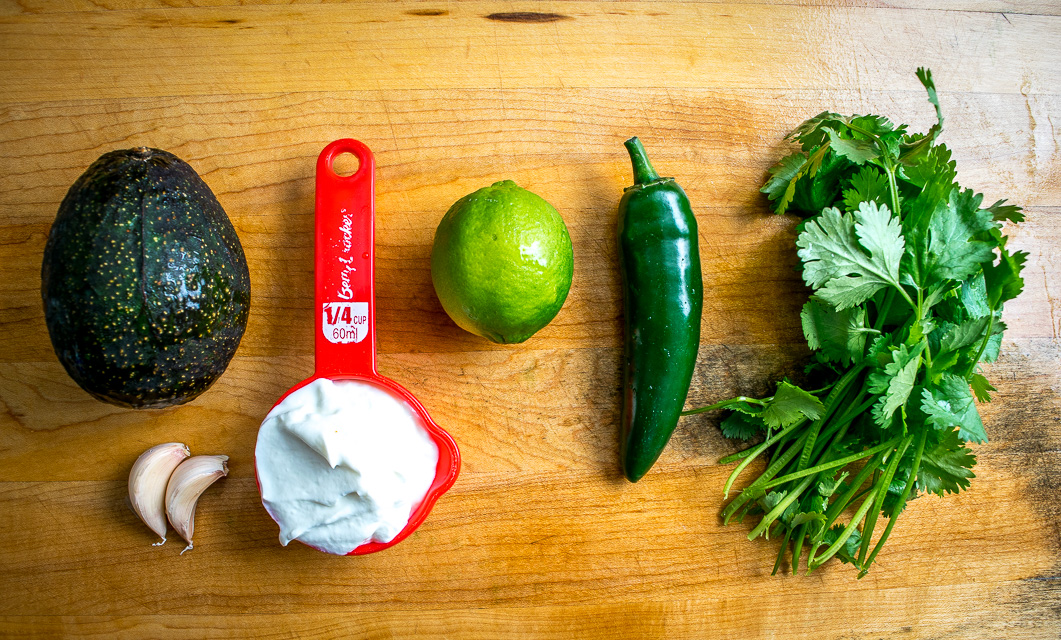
{"points": [[344, 304]]}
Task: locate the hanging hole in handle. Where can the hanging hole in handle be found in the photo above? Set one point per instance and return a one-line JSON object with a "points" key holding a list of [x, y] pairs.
{"points": [[345, 164]]}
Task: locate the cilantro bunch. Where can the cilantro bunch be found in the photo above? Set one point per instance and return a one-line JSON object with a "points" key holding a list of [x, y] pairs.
{"points": [[909, 274]]}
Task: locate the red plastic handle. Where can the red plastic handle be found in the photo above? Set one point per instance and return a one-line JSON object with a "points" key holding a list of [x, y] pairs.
{"points": [[345, 306], [344, 297]]}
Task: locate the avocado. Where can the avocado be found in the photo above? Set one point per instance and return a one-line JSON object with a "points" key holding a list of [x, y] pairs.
{"points": [[145, 285]]}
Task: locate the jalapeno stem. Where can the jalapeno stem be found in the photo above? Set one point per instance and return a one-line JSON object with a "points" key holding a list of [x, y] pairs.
{"points": [[643, 171]]}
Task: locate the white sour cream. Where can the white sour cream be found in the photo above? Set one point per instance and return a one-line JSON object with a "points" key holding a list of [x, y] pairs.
{"points": [[342, 463]]}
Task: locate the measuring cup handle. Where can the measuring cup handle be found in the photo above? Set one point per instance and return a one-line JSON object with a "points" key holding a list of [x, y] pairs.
{"points": [[344, 295]]}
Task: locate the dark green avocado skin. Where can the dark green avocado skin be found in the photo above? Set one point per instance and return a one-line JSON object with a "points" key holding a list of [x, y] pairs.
{"points": [[145, 286]]}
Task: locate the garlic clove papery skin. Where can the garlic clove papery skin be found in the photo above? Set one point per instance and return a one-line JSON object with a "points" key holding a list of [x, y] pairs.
{"points": [[148, 480], [187, 483]]}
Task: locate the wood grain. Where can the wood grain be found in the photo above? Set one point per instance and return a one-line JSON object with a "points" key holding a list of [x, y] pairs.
{"points": [[540, 537], [334, 47], [564, 545], [431, 8]]}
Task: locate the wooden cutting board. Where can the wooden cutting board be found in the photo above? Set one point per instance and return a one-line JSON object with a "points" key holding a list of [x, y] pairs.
{"points": [[540, 537]]}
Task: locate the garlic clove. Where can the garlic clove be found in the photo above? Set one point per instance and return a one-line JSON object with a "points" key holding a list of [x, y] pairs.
{"points": [[148, 480], [187, 483]]}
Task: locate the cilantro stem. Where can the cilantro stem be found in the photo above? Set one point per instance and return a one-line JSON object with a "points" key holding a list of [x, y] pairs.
{"points": [[740, 455], [840, 462], [861, 493], [886, 304], [831, 404], [808, 444], [893, 188], [883, 309], [751, 490], [860, 409], [898, 508], [910, 301], [743, 511], [889, 166], [753, 450], [781, 553], [823, 389], [754, 454], [883, 484], [844, 423], [797, 547], [893, 196], [983, 345], [841, 540], [764, 483], [744, 453], [726, 403], [835, 509], [779, 509]]}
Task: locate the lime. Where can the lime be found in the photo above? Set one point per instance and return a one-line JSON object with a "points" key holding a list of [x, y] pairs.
{"points": [[502, 262]]}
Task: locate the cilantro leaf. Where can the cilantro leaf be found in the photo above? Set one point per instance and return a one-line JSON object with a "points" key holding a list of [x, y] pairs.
{"points": [[950, 404], [957, 342], [814, 162], [994, 344], [874, 125], [915, 147], [953, 253], [790, 404], [781, 185], [810, 133], [741, 426], [973, 296], [829, 486], [959, 336], [849, 257], [812, 510], [933, 177], [1002, 281], [747, 408], [933, 172], [944, 243], [925, 76], [881, 234], [857, 151], [946, 465], [1002, 212], [867, 185], [840, 335], [981, 387], [821, 184], [880, 351], [806, 186], [849, 550], [772, 499], [895, 382]]}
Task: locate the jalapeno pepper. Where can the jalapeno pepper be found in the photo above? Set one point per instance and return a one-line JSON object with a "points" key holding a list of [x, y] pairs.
{"points": [[662, 304]]}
